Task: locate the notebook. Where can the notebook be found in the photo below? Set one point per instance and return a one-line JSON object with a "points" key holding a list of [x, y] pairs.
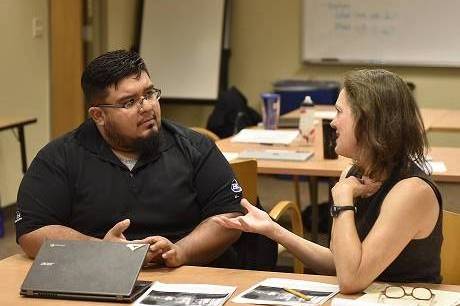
{"points": [[276, 155], [91, 270], [284, 137]]}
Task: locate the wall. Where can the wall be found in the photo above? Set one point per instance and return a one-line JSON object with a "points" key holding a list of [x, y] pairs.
{"points": [[120, 23], [265, 43], [265, 46], [24, 86]]}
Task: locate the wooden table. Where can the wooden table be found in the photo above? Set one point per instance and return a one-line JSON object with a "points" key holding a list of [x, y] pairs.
{"points": [[314, 167], [18, 123], [434, 119], [449, 121], [14, 269], [320, 167], [317, 166]]}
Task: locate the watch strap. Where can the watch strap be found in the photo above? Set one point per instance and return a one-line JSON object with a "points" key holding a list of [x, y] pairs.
{"points": [[335, 210]]}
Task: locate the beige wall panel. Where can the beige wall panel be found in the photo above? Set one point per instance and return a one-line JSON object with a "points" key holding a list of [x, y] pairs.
{"points": [[265, 42], [121, 22], [24, 85]]}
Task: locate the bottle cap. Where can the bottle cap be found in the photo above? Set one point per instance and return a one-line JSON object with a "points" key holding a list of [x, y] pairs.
{"points": [[307, 101]]}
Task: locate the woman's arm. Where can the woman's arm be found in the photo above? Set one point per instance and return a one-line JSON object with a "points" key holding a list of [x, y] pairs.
{"points": [[409, 211], [314, 256]]}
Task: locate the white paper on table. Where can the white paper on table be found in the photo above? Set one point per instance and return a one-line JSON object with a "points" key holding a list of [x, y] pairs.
{"points": [[437, 166], [265, 136], [349, 302], [185, 294], [325, 114], [271, 292], [230, 155]]}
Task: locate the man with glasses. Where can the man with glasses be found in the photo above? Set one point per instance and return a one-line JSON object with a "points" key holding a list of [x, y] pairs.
{"points": [[126, 175]]}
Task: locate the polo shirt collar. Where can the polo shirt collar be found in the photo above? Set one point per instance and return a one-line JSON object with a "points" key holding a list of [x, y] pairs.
{"points": [[91, 139]]}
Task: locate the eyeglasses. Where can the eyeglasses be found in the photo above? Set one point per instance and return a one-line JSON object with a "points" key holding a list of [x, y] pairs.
{"points": [[398, 292], [153, 94]]}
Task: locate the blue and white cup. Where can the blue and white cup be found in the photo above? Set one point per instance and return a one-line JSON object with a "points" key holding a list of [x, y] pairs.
{"points": [[271, 103]]}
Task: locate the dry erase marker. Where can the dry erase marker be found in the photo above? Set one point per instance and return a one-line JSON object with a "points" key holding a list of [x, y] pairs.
{"points": [[298, 294]]}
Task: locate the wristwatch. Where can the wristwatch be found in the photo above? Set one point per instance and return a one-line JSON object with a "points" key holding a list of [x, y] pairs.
{"points": [[335, 210]]}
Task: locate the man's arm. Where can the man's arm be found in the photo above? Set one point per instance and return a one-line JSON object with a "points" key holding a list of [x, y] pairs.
{"points": [[31, 242], [205, 243]]}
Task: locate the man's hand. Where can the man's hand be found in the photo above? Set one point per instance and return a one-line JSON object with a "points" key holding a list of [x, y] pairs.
{"points": [[115, 234], [163, 250]]}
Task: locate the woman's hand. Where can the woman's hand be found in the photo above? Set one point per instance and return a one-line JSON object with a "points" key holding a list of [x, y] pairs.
{"points": [[351, 187], [255, 221]]}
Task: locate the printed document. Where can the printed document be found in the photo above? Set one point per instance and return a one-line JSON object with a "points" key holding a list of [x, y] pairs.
{"points": [[283, 291], [185, 295], [266, 136]]}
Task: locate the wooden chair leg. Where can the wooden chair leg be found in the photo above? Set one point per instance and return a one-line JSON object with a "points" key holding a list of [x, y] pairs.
{"points": [[296, 180], [313, 188]]}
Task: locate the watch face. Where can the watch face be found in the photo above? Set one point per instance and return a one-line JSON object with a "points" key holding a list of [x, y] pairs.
{"points": [[333, 211]]}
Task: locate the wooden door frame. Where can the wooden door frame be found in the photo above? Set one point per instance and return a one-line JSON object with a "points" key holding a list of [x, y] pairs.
{"points": [[67, 108]]}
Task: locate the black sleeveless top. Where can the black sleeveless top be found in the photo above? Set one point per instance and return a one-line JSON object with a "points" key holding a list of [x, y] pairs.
{"points": [[420, 260]]}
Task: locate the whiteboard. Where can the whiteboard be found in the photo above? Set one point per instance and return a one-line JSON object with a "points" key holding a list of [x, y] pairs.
{"points": [[181, 43], [388, 32]]}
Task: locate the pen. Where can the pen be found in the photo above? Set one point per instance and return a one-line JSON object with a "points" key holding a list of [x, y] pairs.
{"points": [[298, 294]]}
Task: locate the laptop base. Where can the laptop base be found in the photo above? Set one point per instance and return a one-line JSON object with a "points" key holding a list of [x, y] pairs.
{"points": [[139, 288]]}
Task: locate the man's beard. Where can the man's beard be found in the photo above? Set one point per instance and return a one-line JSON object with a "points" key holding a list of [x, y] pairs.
{"points": [[142, 146]]}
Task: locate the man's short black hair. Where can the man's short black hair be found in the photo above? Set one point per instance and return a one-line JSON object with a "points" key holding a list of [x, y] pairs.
{"points": [[107, 70]]}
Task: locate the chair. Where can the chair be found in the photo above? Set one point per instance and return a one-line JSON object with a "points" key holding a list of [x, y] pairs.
{"points": [[246, 173], [450, 250], [213, 137], [207, 133]]}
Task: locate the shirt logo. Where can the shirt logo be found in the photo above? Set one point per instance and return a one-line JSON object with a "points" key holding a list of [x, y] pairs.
{"points": [[235, 187], [18, 216]]}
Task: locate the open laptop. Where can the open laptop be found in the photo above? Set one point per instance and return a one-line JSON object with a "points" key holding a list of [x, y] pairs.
{"points": [[94, 270]]}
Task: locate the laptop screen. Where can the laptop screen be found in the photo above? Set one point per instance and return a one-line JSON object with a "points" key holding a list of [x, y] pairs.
{"points": [[85, 268]]}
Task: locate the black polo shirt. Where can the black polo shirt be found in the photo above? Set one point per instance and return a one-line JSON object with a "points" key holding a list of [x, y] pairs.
{"points": [[78, 182]]}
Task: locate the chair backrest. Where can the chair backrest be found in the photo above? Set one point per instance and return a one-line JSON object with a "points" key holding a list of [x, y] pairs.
{"points": [[207, 133], [450, 250], [246, 174]]}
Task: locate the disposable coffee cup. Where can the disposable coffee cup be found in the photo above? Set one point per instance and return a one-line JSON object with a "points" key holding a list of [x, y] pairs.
{"points": [[329, 140], [270, 110]]}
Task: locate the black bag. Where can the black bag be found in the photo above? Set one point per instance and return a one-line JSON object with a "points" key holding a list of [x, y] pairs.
{"points": [[231, 114]]}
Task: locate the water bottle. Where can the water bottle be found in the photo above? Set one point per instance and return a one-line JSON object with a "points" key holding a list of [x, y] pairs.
{"points": [[307, 119]]}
